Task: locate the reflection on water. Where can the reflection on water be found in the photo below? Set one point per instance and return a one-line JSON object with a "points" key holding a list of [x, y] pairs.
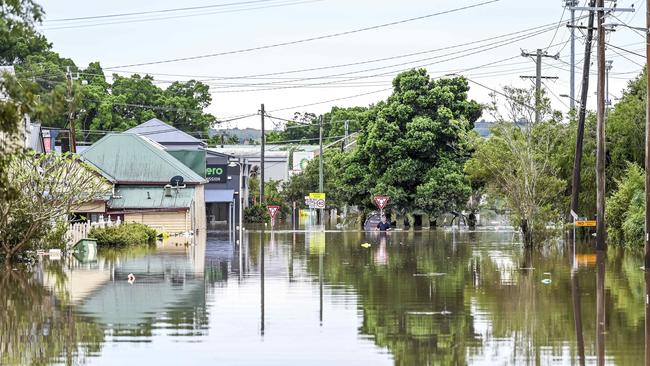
{"points": [[294, 298], [37, 328]]}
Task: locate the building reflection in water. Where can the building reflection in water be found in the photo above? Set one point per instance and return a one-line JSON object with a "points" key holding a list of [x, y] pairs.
{"points": [[38, 325]]}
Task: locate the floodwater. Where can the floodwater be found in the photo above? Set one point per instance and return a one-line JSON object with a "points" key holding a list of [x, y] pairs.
{"points": [[329, 298]]}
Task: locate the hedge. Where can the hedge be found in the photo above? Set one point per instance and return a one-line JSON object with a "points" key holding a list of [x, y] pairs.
{"points": [[124, 235]]}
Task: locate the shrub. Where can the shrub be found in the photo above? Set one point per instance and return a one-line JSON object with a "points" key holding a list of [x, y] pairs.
{"points": [[625, 208], [55, 238], [257, 214], [124, 235], [634, 224]]}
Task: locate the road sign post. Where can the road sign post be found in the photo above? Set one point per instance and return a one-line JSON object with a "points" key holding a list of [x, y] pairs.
{"points": [[318, 201], [273, 210], [381, 202]]}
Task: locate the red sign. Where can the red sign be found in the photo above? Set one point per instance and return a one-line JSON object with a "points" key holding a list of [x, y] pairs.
{"points": [[381, 201], [273, 210]]}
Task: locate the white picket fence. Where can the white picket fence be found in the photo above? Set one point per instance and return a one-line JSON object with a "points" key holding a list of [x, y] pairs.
{"points": [[80, 230]]}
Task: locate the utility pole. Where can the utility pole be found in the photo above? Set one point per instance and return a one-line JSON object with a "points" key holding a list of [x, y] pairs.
{"points": [[262, 113], [538, 79], [577, 161], [647, 164], [600, 132], [71, 122], [572, 83], [320, 161]]}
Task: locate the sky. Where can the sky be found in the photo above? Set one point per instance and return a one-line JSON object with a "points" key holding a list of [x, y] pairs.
{"points": [[240, 81]]}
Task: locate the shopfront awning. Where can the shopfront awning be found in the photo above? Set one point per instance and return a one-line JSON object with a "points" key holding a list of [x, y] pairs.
{"points": [[219, 195]]}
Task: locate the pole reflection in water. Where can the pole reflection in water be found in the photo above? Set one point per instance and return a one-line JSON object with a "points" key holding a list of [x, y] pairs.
{"points": [[600, 307], [320, 284], [262, 280], [577, 309], [647, 317], [291, 258]]}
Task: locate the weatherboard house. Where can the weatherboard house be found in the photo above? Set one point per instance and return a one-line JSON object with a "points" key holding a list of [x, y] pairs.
{"points": [[223, 190], [150, 186]]}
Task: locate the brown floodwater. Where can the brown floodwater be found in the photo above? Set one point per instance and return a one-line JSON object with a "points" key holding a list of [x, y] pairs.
{"points": [[331, 298]]}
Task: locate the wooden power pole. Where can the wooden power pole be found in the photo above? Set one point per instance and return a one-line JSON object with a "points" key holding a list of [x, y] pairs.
{"points": [[601, 234], [577, 161], [71, 123], [647, 159]]}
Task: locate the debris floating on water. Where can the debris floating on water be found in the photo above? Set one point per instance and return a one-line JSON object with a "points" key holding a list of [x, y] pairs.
{"points": [[444, 312], [432, 274], [547, 281], [366, 245]]}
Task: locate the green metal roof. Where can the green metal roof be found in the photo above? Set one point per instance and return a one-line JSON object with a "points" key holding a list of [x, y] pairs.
{"points": [[151, 197], [129, 158]]}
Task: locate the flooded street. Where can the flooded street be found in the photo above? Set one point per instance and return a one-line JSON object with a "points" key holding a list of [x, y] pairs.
{"points": [[329, 298]]}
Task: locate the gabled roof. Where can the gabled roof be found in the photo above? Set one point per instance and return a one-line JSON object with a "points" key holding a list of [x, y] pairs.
{"points": [[164, 133], [131, 159]]}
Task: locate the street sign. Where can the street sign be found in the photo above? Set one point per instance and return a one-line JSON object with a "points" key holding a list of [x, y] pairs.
{"points": [[273, 210], [381, 201], [320, 203], [586, 223], [317, 196], [574, 215]]}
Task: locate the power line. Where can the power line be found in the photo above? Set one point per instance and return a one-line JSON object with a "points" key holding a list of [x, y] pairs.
{"points": [[500, 93], [559, 23], [156, 11], [210, 78], [481, 49], [332, 100], [628, 51], [332, 35], [180, 16], [555, 95]]}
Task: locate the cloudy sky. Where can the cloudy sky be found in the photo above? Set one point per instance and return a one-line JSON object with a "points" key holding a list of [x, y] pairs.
{"points": [[309, 55]]}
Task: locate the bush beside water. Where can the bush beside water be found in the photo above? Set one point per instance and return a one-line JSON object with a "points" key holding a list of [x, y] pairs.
{"points": [[256, 214], [125, 235]]}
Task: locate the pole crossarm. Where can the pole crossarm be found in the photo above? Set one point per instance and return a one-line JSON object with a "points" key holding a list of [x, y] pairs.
{"points": [[602, 8]]}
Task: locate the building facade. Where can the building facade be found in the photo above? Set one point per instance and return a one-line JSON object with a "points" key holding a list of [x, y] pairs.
{"points": [[150, 186]]}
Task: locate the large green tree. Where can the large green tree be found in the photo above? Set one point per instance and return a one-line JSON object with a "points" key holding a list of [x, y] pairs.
{"points": [[18, 37], [412, 146]]}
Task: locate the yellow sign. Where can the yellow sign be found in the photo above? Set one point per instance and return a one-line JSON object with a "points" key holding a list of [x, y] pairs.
{"points": [[317, 196], [586, 223]]}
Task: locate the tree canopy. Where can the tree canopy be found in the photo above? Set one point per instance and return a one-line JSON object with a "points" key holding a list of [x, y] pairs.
{"points": [[412, 146]]}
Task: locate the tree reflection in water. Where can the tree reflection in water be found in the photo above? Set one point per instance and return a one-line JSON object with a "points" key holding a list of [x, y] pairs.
{"points": [[38, 329], [431, 298]]}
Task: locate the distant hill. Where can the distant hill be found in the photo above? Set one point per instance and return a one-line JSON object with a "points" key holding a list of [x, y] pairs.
{"points": [[242, 134], [482, 127]]}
